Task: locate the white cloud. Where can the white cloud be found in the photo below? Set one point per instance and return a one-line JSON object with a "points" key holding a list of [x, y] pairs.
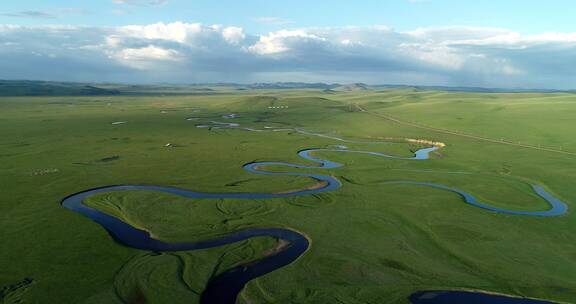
{"points": [[233, 34], [434, 54], [188, 52], [177, 31], [282, 41], [145, 57]]}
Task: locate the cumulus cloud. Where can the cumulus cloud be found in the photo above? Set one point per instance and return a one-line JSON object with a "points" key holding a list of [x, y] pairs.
{"points": [[234, 34], [145, 58], [193, 52], [283, 41]]}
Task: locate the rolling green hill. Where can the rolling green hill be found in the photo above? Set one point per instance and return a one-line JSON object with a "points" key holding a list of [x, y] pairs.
{"points": [[371, 241], [43, 88]]}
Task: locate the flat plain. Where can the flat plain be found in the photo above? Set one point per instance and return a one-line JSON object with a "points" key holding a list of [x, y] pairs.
{"points": [[371, 241]]}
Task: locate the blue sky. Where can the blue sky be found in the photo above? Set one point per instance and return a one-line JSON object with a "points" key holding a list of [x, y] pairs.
{"points": [[518, 15], [510, 43]]}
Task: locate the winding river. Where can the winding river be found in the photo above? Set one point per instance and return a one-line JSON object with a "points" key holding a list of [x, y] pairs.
{"points": [[226, 287], [467, 297]]}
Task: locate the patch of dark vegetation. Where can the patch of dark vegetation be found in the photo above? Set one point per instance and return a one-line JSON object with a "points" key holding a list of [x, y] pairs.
{"points": [[397, 265], [317, 200], [101, 160], [559, 289], [348, 180], [60, 103], [265, 116], [137, 297], [13, 293], [8, 154], [347, 108], [17, 144], [108, 159], [237, 183], [261, 99]]}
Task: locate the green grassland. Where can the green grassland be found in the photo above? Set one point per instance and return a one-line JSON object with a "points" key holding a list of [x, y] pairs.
{"points": [[371, 242]]}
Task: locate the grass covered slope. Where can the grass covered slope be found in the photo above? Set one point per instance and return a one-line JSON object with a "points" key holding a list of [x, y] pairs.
{"points": [[537, 119], [371, 241], [49, 88]]}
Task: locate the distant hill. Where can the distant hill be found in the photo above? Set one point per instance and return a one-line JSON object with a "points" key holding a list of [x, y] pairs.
{"points": [[328, 88], [292, 85], [335, 87], [352, 87], [54, 88], [467, 89], [49, 88]]}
